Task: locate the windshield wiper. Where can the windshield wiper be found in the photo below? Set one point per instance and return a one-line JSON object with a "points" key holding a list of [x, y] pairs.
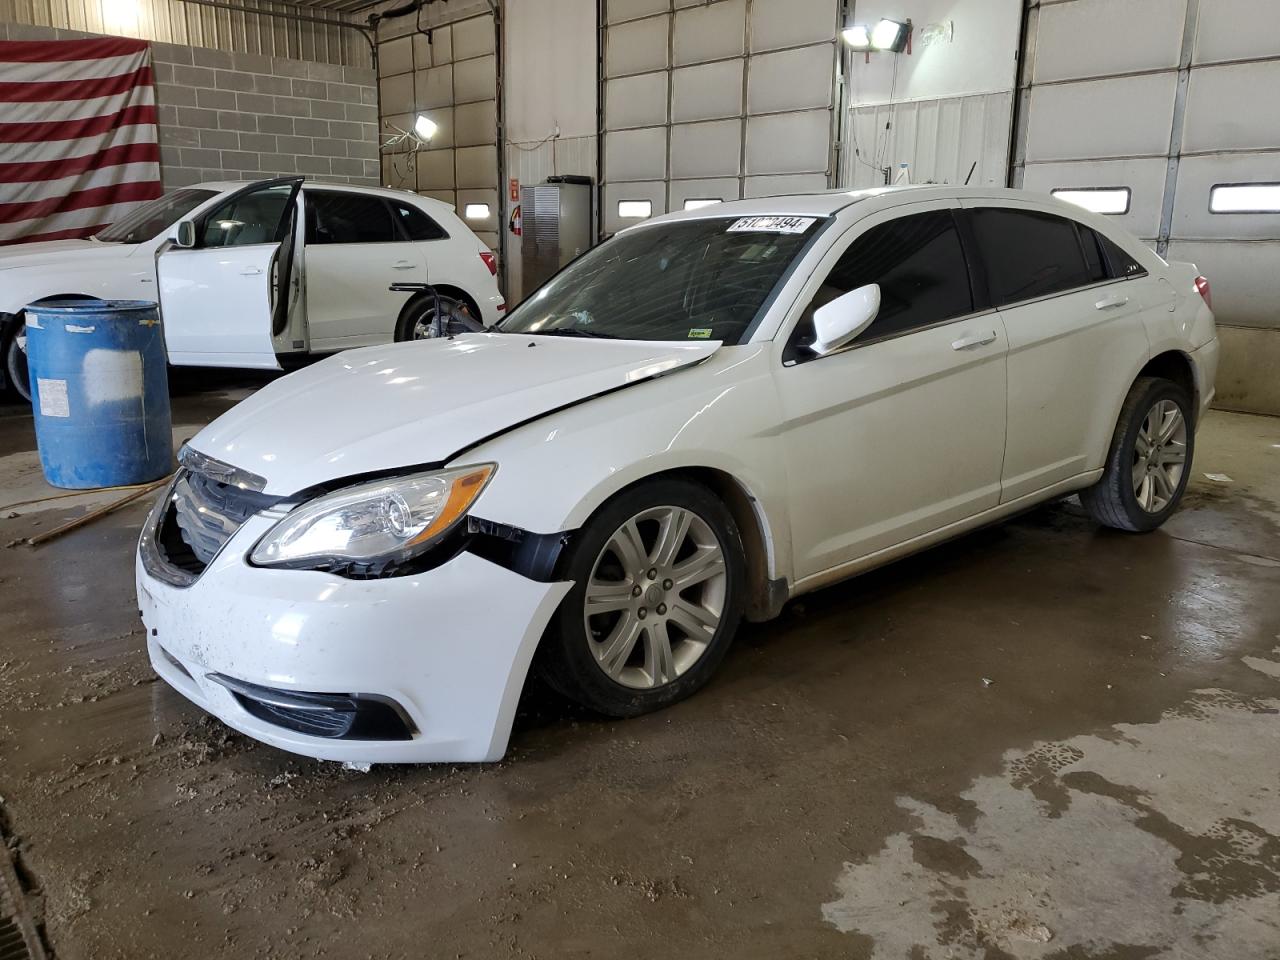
{"points": [[572, 332]]}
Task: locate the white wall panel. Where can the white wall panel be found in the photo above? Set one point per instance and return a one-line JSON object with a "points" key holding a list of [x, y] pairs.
{"points": [[1197, 175], [1123, 117], [789, 143], [475, 79], [396, 93], [706, 149], [655, 192], [619, 11], [475, 123], [1237, 30], [791, 80], [1144, 178], [435, 170], [791, 23], [682, 190], [637, 47], [477, 166], [708, 91], [432, 49], [778, 186], [474, 37], [710, 32], [396, 56], [638, 101], [1233, 107], [1092, 38], [1243, 277], [636, 154], [434, 87]]}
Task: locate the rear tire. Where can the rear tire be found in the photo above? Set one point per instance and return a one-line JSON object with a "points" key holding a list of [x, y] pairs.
{"points": [[657, 597], [15, 363], [1149, 462], [415, 323]]}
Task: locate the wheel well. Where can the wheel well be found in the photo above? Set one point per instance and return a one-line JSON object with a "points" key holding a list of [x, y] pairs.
{"points": [[764, 597], [1175, 366], [445, 290]]}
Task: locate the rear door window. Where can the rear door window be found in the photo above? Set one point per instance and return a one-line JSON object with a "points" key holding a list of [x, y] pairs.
{"points": [[416, 224], [1028, 254], [348, 218]]}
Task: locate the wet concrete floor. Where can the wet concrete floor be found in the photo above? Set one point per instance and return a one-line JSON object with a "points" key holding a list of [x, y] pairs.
{"points": [[1044, 740]]}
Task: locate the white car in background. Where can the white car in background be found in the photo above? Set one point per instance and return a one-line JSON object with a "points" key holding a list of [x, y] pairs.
{"points": [[246, 273], [711, 413]]}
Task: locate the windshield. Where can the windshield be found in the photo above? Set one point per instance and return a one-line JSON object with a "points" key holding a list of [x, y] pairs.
{"points": [[683, 280], [149, 220]]}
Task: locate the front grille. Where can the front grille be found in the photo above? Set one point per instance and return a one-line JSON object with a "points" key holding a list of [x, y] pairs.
{"points": [[201, 516]]}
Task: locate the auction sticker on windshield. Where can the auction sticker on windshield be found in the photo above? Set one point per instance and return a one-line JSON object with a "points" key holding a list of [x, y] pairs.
{"points": [[771, 224]]}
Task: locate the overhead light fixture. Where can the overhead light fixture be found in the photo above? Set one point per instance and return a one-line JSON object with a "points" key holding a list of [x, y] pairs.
{"points": [[476, 211], [694, 204], [634, 209], [425, 127], [857, 36], [890, 36], [1113, 201]]}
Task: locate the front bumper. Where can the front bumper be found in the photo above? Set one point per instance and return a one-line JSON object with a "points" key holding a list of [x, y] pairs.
{"points": [[450, 647]]}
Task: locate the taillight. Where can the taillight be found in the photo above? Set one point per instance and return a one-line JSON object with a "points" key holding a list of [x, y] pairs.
{"points": [[490, 261], [1202, 288]]}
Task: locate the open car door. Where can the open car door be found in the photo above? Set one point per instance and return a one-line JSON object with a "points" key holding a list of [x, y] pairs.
{"points": [[224, 297]]}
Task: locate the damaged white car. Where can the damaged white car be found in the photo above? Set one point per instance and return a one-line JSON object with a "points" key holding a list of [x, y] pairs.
{"points": [[709, 414]]}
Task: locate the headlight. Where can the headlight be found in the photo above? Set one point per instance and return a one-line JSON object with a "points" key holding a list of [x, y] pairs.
{"points": [[383, 523]]}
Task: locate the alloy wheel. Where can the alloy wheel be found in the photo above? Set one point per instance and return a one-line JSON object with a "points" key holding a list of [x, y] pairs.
{"points": [[1159, 456], [655, 597], [424, 325]]}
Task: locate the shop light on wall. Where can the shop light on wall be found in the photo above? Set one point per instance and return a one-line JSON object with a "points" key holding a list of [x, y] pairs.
{"points": [[887, 36], [120, 16]]}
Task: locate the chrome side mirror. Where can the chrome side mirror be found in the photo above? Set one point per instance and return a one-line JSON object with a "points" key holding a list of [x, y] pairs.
{"points": [[186, 236], [844, 318]]}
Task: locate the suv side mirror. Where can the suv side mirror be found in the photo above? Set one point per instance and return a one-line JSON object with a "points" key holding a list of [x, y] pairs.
{"points": [[840, 321], [186, 236]]}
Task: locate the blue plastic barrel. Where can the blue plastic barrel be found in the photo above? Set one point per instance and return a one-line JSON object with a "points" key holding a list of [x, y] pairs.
{"points": [[99, 391]]}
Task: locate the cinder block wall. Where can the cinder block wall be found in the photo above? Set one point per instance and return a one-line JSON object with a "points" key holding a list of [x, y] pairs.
{"points": [[244, 116]]}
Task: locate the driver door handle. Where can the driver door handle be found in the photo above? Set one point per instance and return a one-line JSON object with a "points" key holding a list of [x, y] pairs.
{"points": [[1119, 300], [251, 271], [973, 340], [402, 265]]}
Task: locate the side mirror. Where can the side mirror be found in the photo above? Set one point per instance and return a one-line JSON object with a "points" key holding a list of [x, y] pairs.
{"points": [[840, 321], [186, 237]]}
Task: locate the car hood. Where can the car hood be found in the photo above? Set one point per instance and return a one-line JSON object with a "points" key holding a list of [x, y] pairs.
{"points": [[50, 252], [399, 405]]}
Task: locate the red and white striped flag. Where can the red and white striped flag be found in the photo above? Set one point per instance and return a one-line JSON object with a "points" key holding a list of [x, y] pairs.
{"points": [[78, 143]]}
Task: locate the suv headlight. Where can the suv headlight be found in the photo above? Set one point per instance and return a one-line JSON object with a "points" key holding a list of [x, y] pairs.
{"points": [[375, 525]]}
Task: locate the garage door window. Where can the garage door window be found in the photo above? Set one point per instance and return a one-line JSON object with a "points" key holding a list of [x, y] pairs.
{"points": [[348, 218], [1029, 255], [415, 224]]}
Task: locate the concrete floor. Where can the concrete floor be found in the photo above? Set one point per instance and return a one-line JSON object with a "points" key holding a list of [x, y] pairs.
{"points": [[1043, 740]]}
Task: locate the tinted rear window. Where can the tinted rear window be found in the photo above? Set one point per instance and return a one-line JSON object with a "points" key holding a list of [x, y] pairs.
{"points": [[1028, 254], [348, 218]]}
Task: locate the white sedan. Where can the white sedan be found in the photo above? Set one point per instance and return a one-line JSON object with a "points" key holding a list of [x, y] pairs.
{"points": [[710, 414], [248, 272]]}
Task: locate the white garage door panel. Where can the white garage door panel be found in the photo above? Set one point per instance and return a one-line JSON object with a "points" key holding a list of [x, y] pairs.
{"points": [[707, 92], [435, 170], [779, 186], [1144, 178], [682, 190], [655, 192], [395, 56], [1237, 30], [713, 32], [621, 10], [639, 101], [1233, 107], [1196, 177], [1242, 276], [789, 143], [473, 38], [396, 93], [475, 123], [706, 149], [477, 166], [636, 47], [475, 80], [1093, 38], [436, 48], [636, 154], [791, 80], [791, 23], [435, 87], [1125, 117]]}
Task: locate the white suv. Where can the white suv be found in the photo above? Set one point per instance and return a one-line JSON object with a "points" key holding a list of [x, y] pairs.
{"points": [[248, 272]]}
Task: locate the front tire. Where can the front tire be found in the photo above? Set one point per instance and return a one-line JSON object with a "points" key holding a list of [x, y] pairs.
{"points": [[15, 362], [656, 601], [1149, 462]]}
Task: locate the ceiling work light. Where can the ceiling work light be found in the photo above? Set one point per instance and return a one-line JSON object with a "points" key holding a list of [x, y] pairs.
{"points": [[887, 36]]}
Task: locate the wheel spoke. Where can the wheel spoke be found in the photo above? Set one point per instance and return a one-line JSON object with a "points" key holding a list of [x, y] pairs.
{"points": [[606, 596], [1163, 489], [1144, 492], [703, 565], [616, 648], [628, 545], [1170, 422], [1175, 452], [659, 659], [675, 527], [698, 622]]}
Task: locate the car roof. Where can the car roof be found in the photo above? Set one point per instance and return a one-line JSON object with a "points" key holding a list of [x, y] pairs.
{"points": [[825, 203], [224, 186]]}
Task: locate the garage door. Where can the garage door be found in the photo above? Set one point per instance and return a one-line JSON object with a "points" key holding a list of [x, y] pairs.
{"points": [[714, 101], [1165, 120], [450, 74]]}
